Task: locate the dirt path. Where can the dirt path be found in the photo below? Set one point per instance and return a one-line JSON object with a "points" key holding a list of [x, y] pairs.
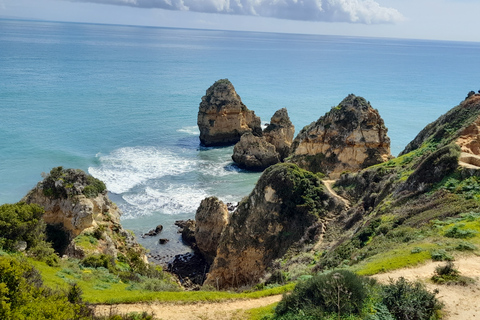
{"points": [[328, 184], [171, 311], [461, 302]]}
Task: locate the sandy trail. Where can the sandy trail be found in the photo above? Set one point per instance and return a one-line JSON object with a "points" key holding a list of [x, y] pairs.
{"points": [[169, 311], [328, 184], [461, 302]]}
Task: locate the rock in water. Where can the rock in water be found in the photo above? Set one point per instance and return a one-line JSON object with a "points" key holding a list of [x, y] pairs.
{"points": [[254, 153], [280, 132], [349, 137], [285, 203], [210, 220], [223, 118], [76, 204], [258, 153]]}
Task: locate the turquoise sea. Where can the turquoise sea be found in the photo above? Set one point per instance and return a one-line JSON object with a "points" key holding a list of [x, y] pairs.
{"points": [[121, 103]]}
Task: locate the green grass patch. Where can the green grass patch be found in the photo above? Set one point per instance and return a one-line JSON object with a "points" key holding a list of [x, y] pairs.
{"points": [[100, 286], [262, 313], [395, 259]]}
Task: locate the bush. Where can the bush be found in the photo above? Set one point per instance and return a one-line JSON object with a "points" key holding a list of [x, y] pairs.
{"points": [[445, 273], [21, 222], [410, 301], [456, 232], [341, 292], [441, 255]]}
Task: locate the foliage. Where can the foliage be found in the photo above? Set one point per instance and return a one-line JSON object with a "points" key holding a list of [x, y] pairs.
{"points": [[340, 292], [441, 255], [457, 232], [410, 301], [64, 183], [445, 273]]}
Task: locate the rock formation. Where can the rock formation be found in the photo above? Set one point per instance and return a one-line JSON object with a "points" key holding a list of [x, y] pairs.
{"points": [[280, 133], [210, 220], [258, 153], [76, 204], [254, 153], [223, 118], [287, 206], [349, 137]]}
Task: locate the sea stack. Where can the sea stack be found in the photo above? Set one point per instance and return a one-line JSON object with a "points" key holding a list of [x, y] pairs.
{"points": [[350, 137], [258, 153], [223, 118]]}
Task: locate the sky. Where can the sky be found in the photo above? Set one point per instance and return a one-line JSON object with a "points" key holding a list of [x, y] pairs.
{"points": [[414, 19]]}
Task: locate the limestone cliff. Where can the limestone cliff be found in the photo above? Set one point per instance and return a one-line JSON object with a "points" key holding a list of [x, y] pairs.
{"points": [[288, 206], [77, 207], [280, 132], [254, 153], [223, 118], [210, 221], [258, 153], [349, 137]]}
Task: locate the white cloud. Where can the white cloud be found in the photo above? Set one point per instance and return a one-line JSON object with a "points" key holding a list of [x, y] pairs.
{"points": [[353, 11]]}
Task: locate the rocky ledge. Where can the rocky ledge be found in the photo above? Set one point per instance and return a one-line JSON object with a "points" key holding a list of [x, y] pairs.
{"points": [[350, 137]]}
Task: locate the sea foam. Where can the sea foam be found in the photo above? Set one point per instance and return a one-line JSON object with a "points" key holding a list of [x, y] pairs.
{"points": [[128, 167]]}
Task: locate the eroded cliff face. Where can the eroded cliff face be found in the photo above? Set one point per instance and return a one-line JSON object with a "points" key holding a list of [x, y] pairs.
{"points": [[223, 118], [350, 137], [210, 221], [280, 133], [258, 153], [77, 206], [254, 153], [287, 207]]}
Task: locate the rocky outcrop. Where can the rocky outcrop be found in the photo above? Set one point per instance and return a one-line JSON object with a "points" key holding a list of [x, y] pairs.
{"points": [[210, 220], [288, 206], [254, 153], [280, 133], [77, 206], [223, 118], [258, 153], [349, 137]]}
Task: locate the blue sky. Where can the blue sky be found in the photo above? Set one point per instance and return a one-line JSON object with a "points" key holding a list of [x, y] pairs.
{"points": [[416, 19]]}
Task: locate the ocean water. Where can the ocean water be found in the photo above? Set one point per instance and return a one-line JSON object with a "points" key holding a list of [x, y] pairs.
{"points": [[121, 103]]}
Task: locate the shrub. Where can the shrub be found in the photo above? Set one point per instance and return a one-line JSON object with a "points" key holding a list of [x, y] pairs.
{"points": [[456, 232], [441, 255], [466, 246], [410, 301], [21, 222], [341, 292], [445, 273]]}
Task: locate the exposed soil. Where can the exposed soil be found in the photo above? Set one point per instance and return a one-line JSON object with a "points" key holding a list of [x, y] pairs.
{"points": [[176, 311], [461, 302]]}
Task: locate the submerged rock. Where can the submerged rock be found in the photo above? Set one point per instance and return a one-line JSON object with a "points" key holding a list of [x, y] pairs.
{"points": [[349, 137], [223, 118]]}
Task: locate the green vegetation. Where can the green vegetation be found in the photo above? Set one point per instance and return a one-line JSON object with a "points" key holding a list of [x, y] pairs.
{"points": [[21, 228], [341, 294], [64, 183]]}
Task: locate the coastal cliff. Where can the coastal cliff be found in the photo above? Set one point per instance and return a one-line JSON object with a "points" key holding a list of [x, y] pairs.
{"points": [[223, 118], [350, 137], [288, 206], [77, 207]]}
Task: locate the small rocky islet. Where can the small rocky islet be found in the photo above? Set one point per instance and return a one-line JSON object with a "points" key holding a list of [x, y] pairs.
{"points": [[295, 215]]}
